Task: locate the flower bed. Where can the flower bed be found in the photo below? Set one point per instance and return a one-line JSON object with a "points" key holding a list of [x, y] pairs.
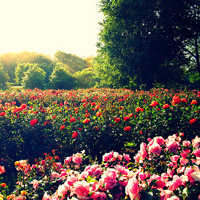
{"points": [[97, 120], [166, 169]]}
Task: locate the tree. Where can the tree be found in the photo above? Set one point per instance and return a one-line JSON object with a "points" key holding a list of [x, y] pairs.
{"points": [[11, 60], [86, 78], [3, 76], [192, 43], [71, 62], [143, 40], [61, 78], [34, 77], [20, 72]]}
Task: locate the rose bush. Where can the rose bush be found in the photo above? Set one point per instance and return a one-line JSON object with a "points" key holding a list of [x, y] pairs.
{"points": [[98, 120], [171, 171]]}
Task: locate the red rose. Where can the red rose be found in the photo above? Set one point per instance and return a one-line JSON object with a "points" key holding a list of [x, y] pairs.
{"points": [[72, 119], [192, 121], [193, 102], [117, 120], [154, 103], [2, 113], [127, 128], [165, 106], [126, 118], [62, 127], [98, 114], [176, 100], [33, 122], [74, 134]]}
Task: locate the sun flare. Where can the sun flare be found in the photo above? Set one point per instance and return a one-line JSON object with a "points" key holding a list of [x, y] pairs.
{"points": [[49, 25]]}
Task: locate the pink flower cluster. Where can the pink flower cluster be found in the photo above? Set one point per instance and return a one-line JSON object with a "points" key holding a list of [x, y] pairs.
{"points": [[75, 159], [162, 169]]}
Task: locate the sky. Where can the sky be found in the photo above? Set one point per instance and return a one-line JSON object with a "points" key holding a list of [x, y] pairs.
{"points": [[47, 26]]}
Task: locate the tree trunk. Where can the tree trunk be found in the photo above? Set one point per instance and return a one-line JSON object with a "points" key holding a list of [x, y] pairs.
{"points": [[197, 54]]}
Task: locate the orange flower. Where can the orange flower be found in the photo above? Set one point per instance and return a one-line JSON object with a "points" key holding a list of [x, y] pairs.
{"points": [[23, 192]]}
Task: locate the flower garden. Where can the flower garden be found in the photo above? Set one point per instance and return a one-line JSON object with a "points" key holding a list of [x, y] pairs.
{"points": [[100, 144]]}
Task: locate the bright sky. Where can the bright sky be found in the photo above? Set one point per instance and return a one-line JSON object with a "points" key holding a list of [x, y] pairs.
{"points": [[47, 26]]}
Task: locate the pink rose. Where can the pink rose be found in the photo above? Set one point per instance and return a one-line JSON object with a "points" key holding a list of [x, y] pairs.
{"points": [[186, 143], [107, 156], [142, 176], [184, 161], [122, 170], [71, 180], [188, 172], [143, 151], [46, 196], [62, 190], [81, 189], [98, 196], [35, 183], [108, 179], [132, 188], [172, 146], [68, 160], [196, 142], [160, 140], [77, 158], [173, 198], [174, 159], [155, 148], [196, 152], [176, 182]]}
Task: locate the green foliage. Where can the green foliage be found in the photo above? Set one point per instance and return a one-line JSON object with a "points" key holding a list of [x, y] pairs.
{"points": [[20, 72], [34, 77], [102, 120], [61, 78], [3, 76], [142, 41], [11, 60], [86, 78], [71, 62]]}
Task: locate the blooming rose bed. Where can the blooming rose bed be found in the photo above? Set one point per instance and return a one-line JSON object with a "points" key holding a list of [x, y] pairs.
{"points": [[165, 169]]}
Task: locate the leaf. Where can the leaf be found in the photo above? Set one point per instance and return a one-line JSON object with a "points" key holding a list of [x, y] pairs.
{"points": [[91, 179], [153, 182], [146, 196]]}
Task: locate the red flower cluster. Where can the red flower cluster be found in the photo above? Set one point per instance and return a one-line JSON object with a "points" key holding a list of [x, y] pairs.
{"points": [[127, 128], [154, 103], [176, 100], [72, 119], [33, 122], [74, 134], [192, 121]]}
